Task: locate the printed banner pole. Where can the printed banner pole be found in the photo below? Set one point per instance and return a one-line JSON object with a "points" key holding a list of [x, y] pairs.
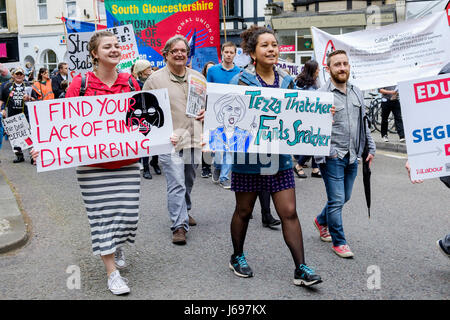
{"points": [[94, 2], [65, 29], [224, 20]]}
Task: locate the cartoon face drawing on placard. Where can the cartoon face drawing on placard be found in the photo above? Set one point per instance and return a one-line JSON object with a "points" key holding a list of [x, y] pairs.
{"points": [[229, 110], [145, 112]]}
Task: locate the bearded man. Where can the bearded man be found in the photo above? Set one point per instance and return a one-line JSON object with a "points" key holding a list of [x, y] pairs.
{"points": [[348, 139]]}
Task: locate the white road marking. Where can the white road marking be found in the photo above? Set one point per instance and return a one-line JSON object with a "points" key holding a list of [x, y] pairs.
{"points": [[392, 154]]}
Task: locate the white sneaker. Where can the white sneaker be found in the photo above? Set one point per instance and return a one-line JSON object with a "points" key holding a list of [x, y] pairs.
{"points": [[117, 284], [385, 139], [119, 259]]}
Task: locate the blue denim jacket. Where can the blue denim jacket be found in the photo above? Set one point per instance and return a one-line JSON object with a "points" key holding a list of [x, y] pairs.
{"points": [[255, 163]]}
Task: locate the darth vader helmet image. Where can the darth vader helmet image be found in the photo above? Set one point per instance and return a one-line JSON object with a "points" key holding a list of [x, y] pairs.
{"points": [[145, 113]]}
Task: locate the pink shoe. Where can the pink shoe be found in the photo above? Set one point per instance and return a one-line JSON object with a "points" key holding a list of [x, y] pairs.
{"points": [[323, 231], [343, 251]]}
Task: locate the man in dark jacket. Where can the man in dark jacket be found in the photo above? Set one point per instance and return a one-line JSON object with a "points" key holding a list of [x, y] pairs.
{"points": [[12, 101], [63, 74]]}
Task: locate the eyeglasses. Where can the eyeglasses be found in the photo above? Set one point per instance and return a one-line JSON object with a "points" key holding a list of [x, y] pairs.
{"points": [[19, 74], [175, 51]]}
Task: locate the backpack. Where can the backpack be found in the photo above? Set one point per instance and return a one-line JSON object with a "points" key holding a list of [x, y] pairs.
{"points": [[84, 82]]}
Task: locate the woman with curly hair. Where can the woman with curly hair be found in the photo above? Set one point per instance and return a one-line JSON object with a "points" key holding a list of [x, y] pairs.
{"points": [[247, 179]]}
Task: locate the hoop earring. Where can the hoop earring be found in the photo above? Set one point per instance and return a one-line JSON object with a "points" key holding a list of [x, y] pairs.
{"points": [[95, 63]]}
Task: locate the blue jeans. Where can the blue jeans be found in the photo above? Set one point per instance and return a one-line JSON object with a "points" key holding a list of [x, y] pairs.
{"points": [[222, 162], [339, 176]]}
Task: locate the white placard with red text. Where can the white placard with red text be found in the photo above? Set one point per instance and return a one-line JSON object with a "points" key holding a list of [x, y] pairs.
{"points": [[425, 105], [87, 130]]}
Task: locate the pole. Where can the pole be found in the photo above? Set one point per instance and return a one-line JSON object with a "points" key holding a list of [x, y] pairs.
{"points": [[224, 21], [64, 24], [95, 13]]}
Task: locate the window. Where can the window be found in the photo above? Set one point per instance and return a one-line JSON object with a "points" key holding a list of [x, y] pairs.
{"points": [[71, 6], [101, 8], [42, 9], [49, 60], [3, 16], [230, 9]]}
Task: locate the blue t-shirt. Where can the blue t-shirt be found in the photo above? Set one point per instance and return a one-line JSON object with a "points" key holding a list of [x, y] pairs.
{"points": [[218, 74]]}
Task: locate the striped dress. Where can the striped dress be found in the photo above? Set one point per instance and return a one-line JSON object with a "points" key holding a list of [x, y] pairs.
{"points": [[111, 198]]}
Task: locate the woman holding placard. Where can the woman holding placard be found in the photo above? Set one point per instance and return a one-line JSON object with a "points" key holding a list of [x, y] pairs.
{"points": [[261, 45], [110, 190]]}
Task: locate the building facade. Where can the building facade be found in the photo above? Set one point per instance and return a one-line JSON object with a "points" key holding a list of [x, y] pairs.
{"points": [[9, 45], [240, 15], [42, 39]]}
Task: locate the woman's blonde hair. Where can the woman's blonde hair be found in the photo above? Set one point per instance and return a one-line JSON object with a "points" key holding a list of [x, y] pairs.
{"points": [[94, 42]]}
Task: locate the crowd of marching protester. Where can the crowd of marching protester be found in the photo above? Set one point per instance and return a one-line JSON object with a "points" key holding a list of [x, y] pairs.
{"points": [[118, 182]]}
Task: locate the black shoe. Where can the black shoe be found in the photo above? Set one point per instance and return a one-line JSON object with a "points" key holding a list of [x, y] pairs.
{"points": [[147, 174], [316, 174], [268, 221], [240, 267], [206, 173], [18, 159], [304, 276], [442, 249], [215, 175], [300, 175], [157, 169]]}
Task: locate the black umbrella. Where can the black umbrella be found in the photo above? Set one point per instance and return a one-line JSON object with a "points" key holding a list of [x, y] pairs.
{"points": [[365, 169]]}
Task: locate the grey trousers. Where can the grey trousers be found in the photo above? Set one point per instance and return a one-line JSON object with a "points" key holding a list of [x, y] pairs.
{"points": [[179, 170]]}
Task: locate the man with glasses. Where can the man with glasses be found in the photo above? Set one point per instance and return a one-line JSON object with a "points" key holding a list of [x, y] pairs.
{"points": [[179, 167], [12, 101]]}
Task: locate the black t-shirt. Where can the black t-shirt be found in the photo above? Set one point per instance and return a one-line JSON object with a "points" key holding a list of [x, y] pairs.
{"points": [[12, 95]]}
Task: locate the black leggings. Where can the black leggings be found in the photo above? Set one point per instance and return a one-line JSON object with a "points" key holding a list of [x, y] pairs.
{"points": [[285, 205]]}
